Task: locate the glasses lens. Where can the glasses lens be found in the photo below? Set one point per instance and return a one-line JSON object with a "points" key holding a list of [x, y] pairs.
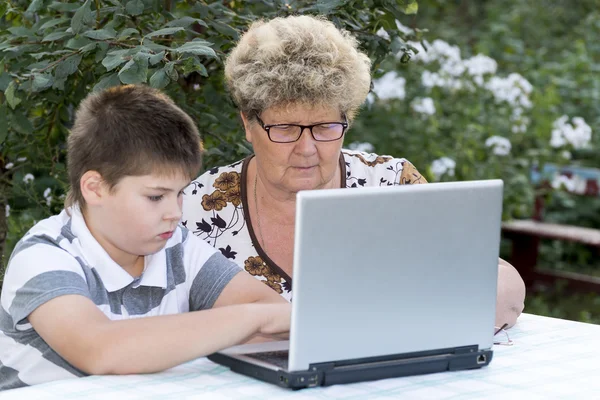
{"points": [[284, 133], [328, 131]]}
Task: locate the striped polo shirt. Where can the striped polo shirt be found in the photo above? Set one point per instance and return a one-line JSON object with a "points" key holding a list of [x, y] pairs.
{"points": [[59, 256]]}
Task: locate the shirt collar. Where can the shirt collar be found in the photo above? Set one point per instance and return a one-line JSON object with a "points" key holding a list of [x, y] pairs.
{"points": [[113, 276]]}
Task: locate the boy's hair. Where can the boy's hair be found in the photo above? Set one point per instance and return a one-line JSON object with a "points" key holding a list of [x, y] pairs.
{"points": [[130, 130]]}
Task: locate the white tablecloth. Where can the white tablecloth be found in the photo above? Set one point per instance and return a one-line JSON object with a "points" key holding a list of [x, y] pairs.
{"points": [[550, 358]]}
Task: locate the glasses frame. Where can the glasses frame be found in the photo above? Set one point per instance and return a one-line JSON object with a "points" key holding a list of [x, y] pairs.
{"points": [[267, 128]]}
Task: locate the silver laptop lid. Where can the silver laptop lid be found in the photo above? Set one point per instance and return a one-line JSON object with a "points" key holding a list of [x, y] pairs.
{"points": [[381, 271]]}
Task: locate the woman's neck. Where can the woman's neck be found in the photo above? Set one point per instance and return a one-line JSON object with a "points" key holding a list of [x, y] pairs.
{"points": [[280, 203]]}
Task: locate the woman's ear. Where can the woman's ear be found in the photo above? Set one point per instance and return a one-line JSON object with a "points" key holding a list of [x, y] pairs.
{"points": [[246, 123], [93, 187]]}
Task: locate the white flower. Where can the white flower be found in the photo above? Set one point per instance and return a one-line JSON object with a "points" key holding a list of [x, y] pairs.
{"points": [[390, 86], [7, 211], [358, 146], [28, 178], [443, 166], [383, 34], [423, 105], [9, 165], [196, 87], [480, 65], [404, 29], [21, 159], [500, 146], [47, 196], [578, 134], [513, 89], [562, 180], [522, 128]]}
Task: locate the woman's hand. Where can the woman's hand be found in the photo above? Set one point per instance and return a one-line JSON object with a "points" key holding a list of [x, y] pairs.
{"points": [[511, 294]]}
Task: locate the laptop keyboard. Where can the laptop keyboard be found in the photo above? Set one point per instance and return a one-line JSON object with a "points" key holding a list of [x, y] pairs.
{"points": [[278, 358]]}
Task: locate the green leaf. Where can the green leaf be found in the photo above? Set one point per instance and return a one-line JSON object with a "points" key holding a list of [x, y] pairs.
{"points": [[193, 64], [3, 8], [408, 6], [53, 22], [21, 123], [11, 95], [165, 31], [59, 83], [41, 82], [78, 43], [197, 47], [88, 47], [101, 53], [56, 36], [114, 59], [64, 7], [107, 81], [68, 66], [186, 21], [135, 71], [3, 122], [35, 6], [127, 33], [81, 17], [134, 7], [225, 29], [20, 31], [155, 59], [100, 34], [171, 71], [327, 6], [159, 79]]}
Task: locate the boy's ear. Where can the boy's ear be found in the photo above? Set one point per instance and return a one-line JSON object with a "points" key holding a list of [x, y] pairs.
{"points": [[246, 127], [92, 187]]}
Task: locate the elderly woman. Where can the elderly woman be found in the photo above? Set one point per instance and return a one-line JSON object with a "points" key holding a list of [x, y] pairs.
{"points": [[298, 82]]}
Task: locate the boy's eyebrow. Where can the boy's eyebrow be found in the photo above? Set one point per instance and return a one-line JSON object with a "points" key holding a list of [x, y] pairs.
{"points": [[163, 189]]}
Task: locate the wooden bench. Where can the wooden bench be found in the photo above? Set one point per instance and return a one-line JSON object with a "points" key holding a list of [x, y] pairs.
{"points": [[526, 234]]}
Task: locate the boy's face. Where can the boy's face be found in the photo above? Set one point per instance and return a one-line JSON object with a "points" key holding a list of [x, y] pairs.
{"points": [[138, 216]]}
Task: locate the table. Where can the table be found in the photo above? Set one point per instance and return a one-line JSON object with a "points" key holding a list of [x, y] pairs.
{"points": [[550, 359]]}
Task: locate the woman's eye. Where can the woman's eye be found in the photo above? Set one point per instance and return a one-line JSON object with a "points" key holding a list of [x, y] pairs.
{"points": [[155, 198]]}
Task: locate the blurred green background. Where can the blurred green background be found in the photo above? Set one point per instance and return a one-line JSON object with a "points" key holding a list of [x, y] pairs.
{"points": [[495, 87]]}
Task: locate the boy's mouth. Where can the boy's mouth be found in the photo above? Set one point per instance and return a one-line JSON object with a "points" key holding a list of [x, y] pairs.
{"points": [[166, 235]]}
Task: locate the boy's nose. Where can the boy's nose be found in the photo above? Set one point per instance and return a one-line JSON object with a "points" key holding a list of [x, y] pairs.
{"points": [[174, 213]]}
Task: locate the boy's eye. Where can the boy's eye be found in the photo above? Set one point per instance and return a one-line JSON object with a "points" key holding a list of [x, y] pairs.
{"points": [[155, 198]]}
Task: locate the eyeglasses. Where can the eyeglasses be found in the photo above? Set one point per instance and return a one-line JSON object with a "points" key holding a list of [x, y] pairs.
{"points": [[288, 133], [501, 336]]}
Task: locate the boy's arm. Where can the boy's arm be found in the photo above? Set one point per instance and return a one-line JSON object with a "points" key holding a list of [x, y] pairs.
{"points": [[242, 289], [76, 329]]}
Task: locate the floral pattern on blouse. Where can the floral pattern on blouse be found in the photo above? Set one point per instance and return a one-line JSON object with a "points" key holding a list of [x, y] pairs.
{"points": [[214, 209]]}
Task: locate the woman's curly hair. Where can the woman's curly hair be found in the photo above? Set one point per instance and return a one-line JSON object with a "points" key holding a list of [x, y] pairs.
{"points": [[297, 60]]}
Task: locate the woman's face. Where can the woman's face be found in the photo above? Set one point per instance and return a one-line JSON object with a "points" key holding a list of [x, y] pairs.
{"points": [[305, 164]]}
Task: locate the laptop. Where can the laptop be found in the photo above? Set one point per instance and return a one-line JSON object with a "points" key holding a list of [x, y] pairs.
{"points": [[387, 282]]}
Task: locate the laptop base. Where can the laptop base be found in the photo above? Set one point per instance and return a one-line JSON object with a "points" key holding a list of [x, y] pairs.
{"points": [[367, 369]]}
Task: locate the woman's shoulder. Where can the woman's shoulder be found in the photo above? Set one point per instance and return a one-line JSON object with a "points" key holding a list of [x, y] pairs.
{"points": [[217, 175], [370, 169]]}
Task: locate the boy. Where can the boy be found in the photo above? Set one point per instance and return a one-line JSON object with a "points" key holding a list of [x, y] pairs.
{"points": [[77, 283]]}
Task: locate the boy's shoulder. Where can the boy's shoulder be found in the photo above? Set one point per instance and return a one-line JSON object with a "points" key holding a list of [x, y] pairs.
{"points": [[50, 231]]}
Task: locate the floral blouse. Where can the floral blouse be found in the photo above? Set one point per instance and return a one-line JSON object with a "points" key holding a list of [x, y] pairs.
{"points": [[215, 205]]}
